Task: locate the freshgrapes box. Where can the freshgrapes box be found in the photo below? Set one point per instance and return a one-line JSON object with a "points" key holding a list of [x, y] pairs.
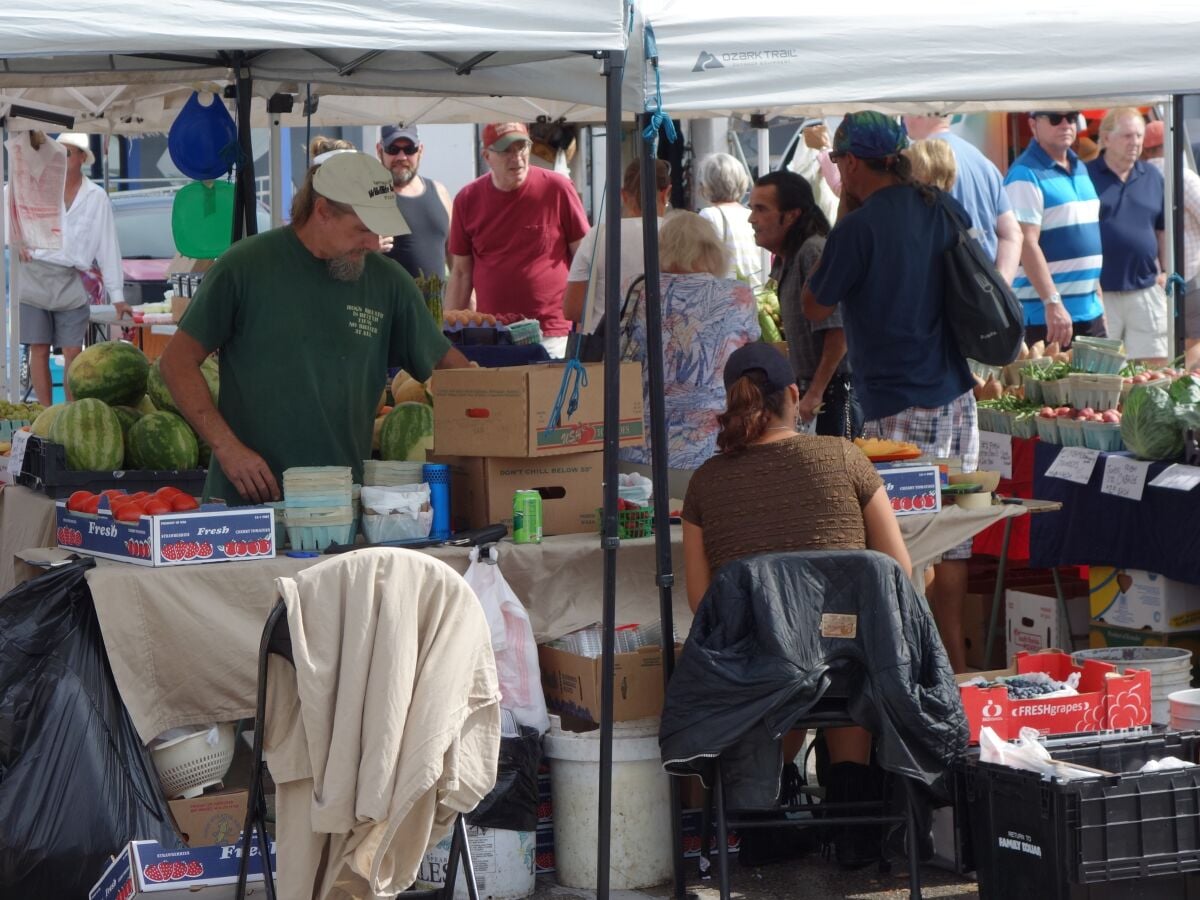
{"points": [[213, 533], [146, 868], [1106, 699]]}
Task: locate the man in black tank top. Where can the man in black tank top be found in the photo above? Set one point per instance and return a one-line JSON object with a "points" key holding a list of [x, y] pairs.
{"points": [[424, 203]]}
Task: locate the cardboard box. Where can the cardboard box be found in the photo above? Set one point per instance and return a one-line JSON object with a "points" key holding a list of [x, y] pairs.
{"points": [[571, 683], [211, 819], [1031, 620], [214, 533], [482, 487], [144, 868], [913, 490], [505, 412], [1105, 699], [183, 264], [1100, 636], [1131, 598], [179, 306]]}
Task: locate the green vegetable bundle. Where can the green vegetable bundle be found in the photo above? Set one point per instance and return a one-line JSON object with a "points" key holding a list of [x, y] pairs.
{"points": [[1153, 423]]}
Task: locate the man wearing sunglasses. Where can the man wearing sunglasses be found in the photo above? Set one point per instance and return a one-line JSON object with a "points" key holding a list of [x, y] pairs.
{"points": [[1059, 213], [424, 203], [514, 232]]}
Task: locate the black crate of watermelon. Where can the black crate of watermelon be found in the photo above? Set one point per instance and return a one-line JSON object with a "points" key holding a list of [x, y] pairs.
{"points": [[44, 469]]}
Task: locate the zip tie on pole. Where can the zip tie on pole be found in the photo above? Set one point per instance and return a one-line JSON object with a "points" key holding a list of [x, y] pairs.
{"points": [[574, 371], [658, 117]]}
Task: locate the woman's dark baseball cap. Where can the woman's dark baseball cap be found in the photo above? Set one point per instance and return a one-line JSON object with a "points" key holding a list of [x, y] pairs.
{"points": [[757, 355]]}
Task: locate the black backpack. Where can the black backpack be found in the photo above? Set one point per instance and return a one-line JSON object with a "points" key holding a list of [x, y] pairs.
{"points": [[984, 314]]}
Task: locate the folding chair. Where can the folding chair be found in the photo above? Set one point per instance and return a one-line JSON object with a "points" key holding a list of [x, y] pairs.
{"points": [[277, 639]]}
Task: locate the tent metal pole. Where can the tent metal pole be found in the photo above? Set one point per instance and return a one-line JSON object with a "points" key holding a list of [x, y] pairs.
{"points": [[245, 218], [276, 173], [1173, 168], [614, 70], [664, 575], [8, 328]]}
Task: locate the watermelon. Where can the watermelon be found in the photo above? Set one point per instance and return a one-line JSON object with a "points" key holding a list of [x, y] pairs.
{"points": [[112, 371], [41, 425], [146, 405], [162, 440], [407, 432], [212, 377], [156, 390], [90, 432], [127, 416]]}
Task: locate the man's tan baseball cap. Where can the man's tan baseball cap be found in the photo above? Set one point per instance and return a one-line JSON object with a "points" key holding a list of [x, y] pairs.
{"points": [[361, 182]]}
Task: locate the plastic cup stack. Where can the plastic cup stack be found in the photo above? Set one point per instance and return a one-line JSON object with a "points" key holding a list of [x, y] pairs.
{"points": [[318, 506]]}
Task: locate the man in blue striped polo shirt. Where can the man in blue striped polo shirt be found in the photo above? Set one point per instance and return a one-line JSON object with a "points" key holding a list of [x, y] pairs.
{"points": [[1059, 213]]}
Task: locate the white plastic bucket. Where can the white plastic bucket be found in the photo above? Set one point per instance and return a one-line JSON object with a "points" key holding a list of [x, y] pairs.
{"points": [[1170, 670], [503, 863], [640, 848], [1185, 710]]}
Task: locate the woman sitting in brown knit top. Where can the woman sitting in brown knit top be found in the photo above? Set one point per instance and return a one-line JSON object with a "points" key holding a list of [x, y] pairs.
{"points": [[771, 490]]}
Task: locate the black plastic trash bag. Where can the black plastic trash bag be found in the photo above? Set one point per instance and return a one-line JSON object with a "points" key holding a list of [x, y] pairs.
{"points": [[76, 784], [512, 804]]}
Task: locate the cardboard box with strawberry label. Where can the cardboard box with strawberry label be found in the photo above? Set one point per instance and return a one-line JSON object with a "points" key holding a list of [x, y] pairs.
{"points": [[913, 490], [1106, 700], [212, 533], [145, 868]]}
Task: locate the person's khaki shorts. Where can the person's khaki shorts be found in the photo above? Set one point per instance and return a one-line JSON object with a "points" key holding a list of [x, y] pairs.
{"points": [[1139, 318]]}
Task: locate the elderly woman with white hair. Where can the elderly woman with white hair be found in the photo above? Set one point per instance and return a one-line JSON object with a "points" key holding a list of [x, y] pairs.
{"points": [[705, 318], [723, 181]]}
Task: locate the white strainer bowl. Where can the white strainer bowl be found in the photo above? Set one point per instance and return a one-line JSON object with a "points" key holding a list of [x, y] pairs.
{"points": [[187, 765]]}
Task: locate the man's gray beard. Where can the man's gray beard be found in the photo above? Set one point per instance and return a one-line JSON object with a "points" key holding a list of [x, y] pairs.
{"points": [[403, 177], [346, 268]]}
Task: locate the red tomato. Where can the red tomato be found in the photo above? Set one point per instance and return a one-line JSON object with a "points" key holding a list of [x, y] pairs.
{"points": [[112, 493], [91, 504], [156, 507], [131, 512], [183, 502], [76, 500], [140, 495]]}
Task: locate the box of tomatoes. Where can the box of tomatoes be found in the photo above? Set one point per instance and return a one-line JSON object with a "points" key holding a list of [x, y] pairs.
{"points": [[166, 528]]}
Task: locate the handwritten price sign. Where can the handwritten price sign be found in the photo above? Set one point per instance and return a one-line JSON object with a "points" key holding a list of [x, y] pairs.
{"points": [[1074, 464], [995, 453], [1124, 477]]}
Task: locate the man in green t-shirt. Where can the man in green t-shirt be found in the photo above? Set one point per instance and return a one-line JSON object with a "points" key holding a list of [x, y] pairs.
{"points": [[307, 319]]}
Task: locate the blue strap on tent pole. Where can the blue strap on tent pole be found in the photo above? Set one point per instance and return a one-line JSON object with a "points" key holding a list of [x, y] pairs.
{"points": [[575, 372], [658, 117]]}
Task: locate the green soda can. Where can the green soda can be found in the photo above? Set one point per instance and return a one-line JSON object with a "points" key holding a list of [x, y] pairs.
{"points": [[527, 517]]}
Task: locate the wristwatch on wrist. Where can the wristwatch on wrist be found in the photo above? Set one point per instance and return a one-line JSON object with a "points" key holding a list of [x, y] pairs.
{"points": [[1054, 299]]}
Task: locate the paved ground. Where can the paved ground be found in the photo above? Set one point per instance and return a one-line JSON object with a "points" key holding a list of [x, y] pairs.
{"points": [[811, 878]]}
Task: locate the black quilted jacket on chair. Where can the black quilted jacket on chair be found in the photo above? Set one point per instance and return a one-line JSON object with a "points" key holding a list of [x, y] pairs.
{"points": [[776, 633]]}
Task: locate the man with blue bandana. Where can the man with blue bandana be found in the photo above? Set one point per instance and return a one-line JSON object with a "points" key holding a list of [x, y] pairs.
{"points": [[882, 266]]}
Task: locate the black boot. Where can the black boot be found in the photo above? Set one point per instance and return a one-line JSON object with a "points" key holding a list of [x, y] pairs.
{"points": [[855, 846]]}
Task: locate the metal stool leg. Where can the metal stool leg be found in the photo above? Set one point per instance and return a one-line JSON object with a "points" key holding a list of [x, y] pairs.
{"points": [[914, 860], [722, 835], [460, 848]]}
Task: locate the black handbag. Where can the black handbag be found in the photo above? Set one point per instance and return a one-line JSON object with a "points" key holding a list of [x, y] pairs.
{"points": [[982, 311], [590, 347]]}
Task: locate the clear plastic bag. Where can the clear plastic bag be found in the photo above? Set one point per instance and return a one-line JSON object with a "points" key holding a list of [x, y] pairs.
{"points": [[512, 642]]}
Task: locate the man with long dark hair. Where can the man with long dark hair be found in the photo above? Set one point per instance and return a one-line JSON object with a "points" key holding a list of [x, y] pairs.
{"points": [[788, 223]]}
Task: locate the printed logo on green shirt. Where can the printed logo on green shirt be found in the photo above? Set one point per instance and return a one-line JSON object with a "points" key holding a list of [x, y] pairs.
{"points": [[363, 321]]}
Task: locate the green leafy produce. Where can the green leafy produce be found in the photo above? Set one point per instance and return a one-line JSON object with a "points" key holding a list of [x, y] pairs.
{"points": [[1150, 425], [768, 305], [1185, 390], [770, 331]]}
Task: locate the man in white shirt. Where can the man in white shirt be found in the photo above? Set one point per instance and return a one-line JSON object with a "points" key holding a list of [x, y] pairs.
{"points": [[53, 295]]}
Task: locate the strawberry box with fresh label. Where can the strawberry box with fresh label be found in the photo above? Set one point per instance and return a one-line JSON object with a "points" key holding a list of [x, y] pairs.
{"points": [[143, 868], [1106, 700], [913, 489], [210, 533]]}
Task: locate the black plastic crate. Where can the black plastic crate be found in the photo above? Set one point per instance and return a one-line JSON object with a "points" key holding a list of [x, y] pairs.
{"points": [[1123, 835], [44, 469]]}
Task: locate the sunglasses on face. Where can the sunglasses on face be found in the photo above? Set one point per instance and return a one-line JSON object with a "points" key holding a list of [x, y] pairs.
{"points": [[398, 148], [835, 155], [1071, 118]]}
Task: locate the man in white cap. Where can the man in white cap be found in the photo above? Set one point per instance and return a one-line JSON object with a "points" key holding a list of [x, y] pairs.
{"points": [[513, 234], [56, 285], [307, 318]]}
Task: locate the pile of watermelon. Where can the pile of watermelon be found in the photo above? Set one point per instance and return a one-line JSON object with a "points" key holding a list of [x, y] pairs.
{"points": [[404, 431], [123, 416]]}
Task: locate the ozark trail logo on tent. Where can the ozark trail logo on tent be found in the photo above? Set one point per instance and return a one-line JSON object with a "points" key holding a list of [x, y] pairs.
{"points": [[706, 61], [735, 58]]}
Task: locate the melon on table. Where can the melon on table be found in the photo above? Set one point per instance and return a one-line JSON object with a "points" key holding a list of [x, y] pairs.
{"points": [[406, 389], [90, 433], [156, 390], [41, 425], [407, 432], [162, 440], [113, 371]]}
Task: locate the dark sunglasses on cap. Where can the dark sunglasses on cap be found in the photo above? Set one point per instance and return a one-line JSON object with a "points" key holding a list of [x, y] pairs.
{"points": [[397, 148], [1055, 118]]}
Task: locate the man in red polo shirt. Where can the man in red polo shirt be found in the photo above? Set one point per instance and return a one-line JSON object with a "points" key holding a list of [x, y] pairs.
{"points": [[513, 233]]}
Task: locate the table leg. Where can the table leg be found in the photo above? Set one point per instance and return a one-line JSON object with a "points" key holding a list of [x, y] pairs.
{"points": [[1064, 620], [998, 590]]}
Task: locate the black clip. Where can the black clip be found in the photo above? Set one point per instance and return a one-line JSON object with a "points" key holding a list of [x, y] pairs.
{"points": [[488, 555]]}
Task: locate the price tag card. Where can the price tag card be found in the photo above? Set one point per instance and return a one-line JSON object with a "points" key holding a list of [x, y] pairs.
{"points": [[1124, 477], [1177, 477], [17, 453], [1074, 464], [995, 453]]}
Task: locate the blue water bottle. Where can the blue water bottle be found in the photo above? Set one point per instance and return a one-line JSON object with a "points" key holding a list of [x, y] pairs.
{"points": [[437, 476]]}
